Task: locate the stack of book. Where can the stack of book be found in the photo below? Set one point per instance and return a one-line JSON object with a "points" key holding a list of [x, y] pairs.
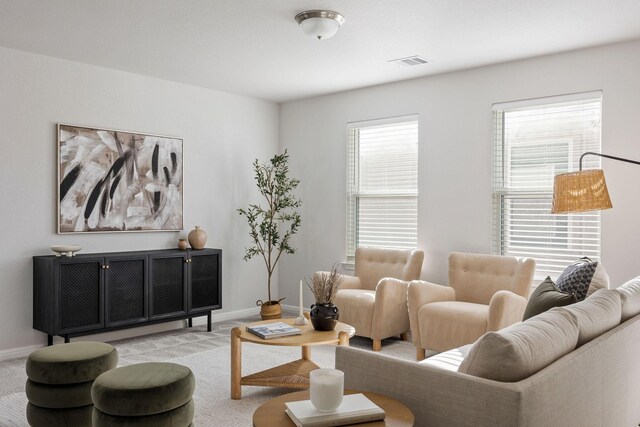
{"points": [[355, 408], [273, 330]]}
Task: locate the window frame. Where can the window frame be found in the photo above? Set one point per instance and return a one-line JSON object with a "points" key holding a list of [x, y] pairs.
{"points": [[582, 232], [355, 192]]}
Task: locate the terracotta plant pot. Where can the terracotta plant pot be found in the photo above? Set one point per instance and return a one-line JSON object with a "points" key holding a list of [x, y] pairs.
{"points": [[270, 309]]}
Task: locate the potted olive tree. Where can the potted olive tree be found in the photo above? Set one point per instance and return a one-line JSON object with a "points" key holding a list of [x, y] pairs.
{"points": [[271, 226]]}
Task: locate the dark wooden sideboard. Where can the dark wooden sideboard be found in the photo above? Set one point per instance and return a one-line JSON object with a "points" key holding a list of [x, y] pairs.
{"points": [[91, 293]]}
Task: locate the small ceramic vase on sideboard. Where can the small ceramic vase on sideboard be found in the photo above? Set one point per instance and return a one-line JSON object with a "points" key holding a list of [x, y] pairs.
{"points": [[197, 238], [182, 244]]}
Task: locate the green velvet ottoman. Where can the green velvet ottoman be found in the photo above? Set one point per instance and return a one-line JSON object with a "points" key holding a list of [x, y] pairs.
{"points": [[155, 394], [60, 379]]}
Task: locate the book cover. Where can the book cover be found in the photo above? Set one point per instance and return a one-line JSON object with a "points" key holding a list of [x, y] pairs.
{"points": [[355, 408], [273, 330]]}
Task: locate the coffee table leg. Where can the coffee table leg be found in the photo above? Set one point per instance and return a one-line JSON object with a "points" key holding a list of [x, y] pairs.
{"points": [[343, 338], [236, 363], [306, 352]]}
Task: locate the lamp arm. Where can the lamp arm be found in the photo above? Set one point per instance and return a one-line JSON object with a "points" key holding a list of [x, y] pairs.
{"points": [[622, 159]]}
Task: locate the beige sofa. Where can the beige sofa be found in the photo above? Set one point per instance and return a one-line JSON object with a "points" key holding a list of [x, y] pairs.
{"points": [[595, 384]]}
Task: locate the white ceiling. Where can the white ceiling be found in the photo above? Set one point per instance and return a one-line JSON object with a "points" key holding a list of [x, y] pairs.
{"points": [[255, 48]]}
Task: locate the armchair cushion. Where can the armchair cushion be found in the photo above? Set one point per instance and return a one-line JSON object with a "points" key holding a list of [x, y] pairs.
{"points": [[523, 349], [449, 324]]}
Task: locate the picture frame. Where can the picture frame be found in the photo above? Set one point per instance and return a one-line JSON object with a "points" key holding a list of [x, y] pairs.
{"points": [[118, 181]]}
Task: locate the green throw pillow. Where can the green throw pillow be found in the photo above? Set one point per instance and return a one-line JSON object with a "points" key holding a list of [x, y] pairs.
{"points": [[545, 297]]}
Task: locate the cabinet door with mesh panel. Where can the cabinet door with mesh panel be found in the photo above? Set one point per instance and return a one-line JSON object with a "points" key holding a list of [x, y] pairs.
{"points": [[80, 294], [126, 295], [168, 285], [205, 272]]}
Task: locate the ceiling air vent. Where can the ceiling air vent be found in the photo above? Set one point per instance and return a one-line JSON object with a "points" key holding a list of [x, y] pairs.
{"points": [[409, 61]]}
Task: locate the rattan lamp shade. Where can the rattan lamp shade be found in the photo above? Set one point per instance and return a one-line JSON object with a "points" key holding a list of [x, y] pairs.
{"points": [[580, 191]]}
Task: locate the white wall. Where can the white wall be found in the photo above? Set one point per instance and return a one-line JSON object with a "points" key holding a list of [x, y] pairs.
{"points": [[455, 206], [222, 134]]}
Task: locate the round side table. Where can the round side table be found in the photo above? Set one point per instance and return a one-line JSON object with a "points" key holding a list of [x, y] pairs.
{"points": [[271, 413]]}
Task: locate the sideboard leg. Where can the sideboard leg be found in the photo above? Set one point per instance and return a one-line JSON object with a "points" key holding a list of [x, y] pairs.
{"points": [[49, 340], [209, 322], [66, 339], [236, 364], [190, 322]]}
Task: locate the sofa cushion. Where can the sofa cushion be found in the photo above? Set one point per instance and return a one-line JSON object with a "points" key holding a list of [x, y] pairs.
{"points": [[448, 360], [523, 349], [545, 297], [576, 278], [600, 279], [596, 315], [630, 296]]}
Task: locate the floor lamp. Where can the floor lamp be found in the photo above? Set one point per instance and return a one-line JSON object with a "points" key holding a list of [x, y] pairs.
{"points": [[584, 190]]}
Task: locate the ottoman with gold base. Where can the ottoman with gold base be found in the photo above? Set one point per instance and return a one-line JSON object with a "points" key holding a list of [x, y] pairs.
{"points": [[60, 379], [157, 394]]}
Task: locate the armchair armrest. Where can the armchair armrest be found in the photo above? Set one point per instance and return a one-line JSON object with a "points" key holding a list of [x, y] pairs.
{"points": [[421, 293], [390, 316], [350, 282], [505, 308]]}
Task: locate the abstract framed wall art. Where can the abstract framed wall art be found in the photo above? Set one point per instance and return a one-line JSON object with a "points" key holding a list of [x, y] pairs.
{"points": [[112, 180]]}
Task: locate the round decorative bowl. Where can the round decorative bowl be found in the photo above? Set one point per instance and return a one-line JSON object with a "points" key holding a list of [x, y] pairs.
{"points": [[66, 250]]}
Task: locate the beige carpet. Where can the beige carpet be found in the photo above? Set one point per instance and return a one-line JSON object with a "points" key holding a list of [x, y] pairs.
{"points": [[208, 356]]}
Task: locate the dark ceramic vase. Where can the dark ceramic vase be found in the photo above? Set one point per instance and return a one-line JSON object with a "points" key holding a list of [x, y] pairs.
{"points": [[324, 317]]}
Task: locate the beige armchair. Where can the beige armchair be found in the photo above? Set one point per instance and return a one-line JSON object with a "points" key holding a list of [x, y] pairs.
{"points": [[485, 293], [374, 300]]}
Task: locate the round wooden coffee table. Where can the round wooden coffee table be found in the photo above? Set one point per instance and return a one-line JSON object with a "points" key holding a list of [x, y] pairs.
{"points": [[293, 374], [271, 413]]}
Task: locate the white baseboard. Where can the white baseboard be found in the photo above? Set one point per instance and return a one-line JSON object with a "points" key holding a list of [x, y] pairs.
{"points": [[14, 353], [293, 309]]}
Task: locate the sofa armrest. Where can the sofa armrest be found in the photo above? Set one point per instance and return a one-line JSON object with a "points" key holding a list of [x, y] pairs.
{"points": [[505, 308], [390, 315], [421, 293], [436, 397]]}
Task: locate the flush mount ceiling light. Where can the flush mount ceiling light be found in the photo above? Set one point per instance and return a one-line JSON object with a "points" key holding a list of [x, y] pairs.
{"points": [[321, 24]]}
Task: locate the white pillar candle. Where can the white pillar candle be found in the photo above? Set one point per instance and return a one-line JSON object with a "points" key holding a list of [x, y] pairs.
{"points": [[301, 310], [326, 389]]}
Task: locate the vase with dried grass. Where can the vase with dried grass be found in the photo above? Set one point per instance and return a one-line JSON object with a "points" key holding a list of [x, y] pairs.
{"points": [[324, 314]]}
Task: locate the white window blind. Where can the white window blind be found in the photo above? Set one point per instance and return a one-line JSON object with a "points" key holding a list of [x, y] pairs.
{"points": [[382, 184], [534, 141]]}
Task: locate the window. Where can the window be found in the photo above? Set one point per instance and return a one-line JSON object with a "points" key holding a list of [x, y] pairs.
{"points": [[382, 184], [534, 141]]}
